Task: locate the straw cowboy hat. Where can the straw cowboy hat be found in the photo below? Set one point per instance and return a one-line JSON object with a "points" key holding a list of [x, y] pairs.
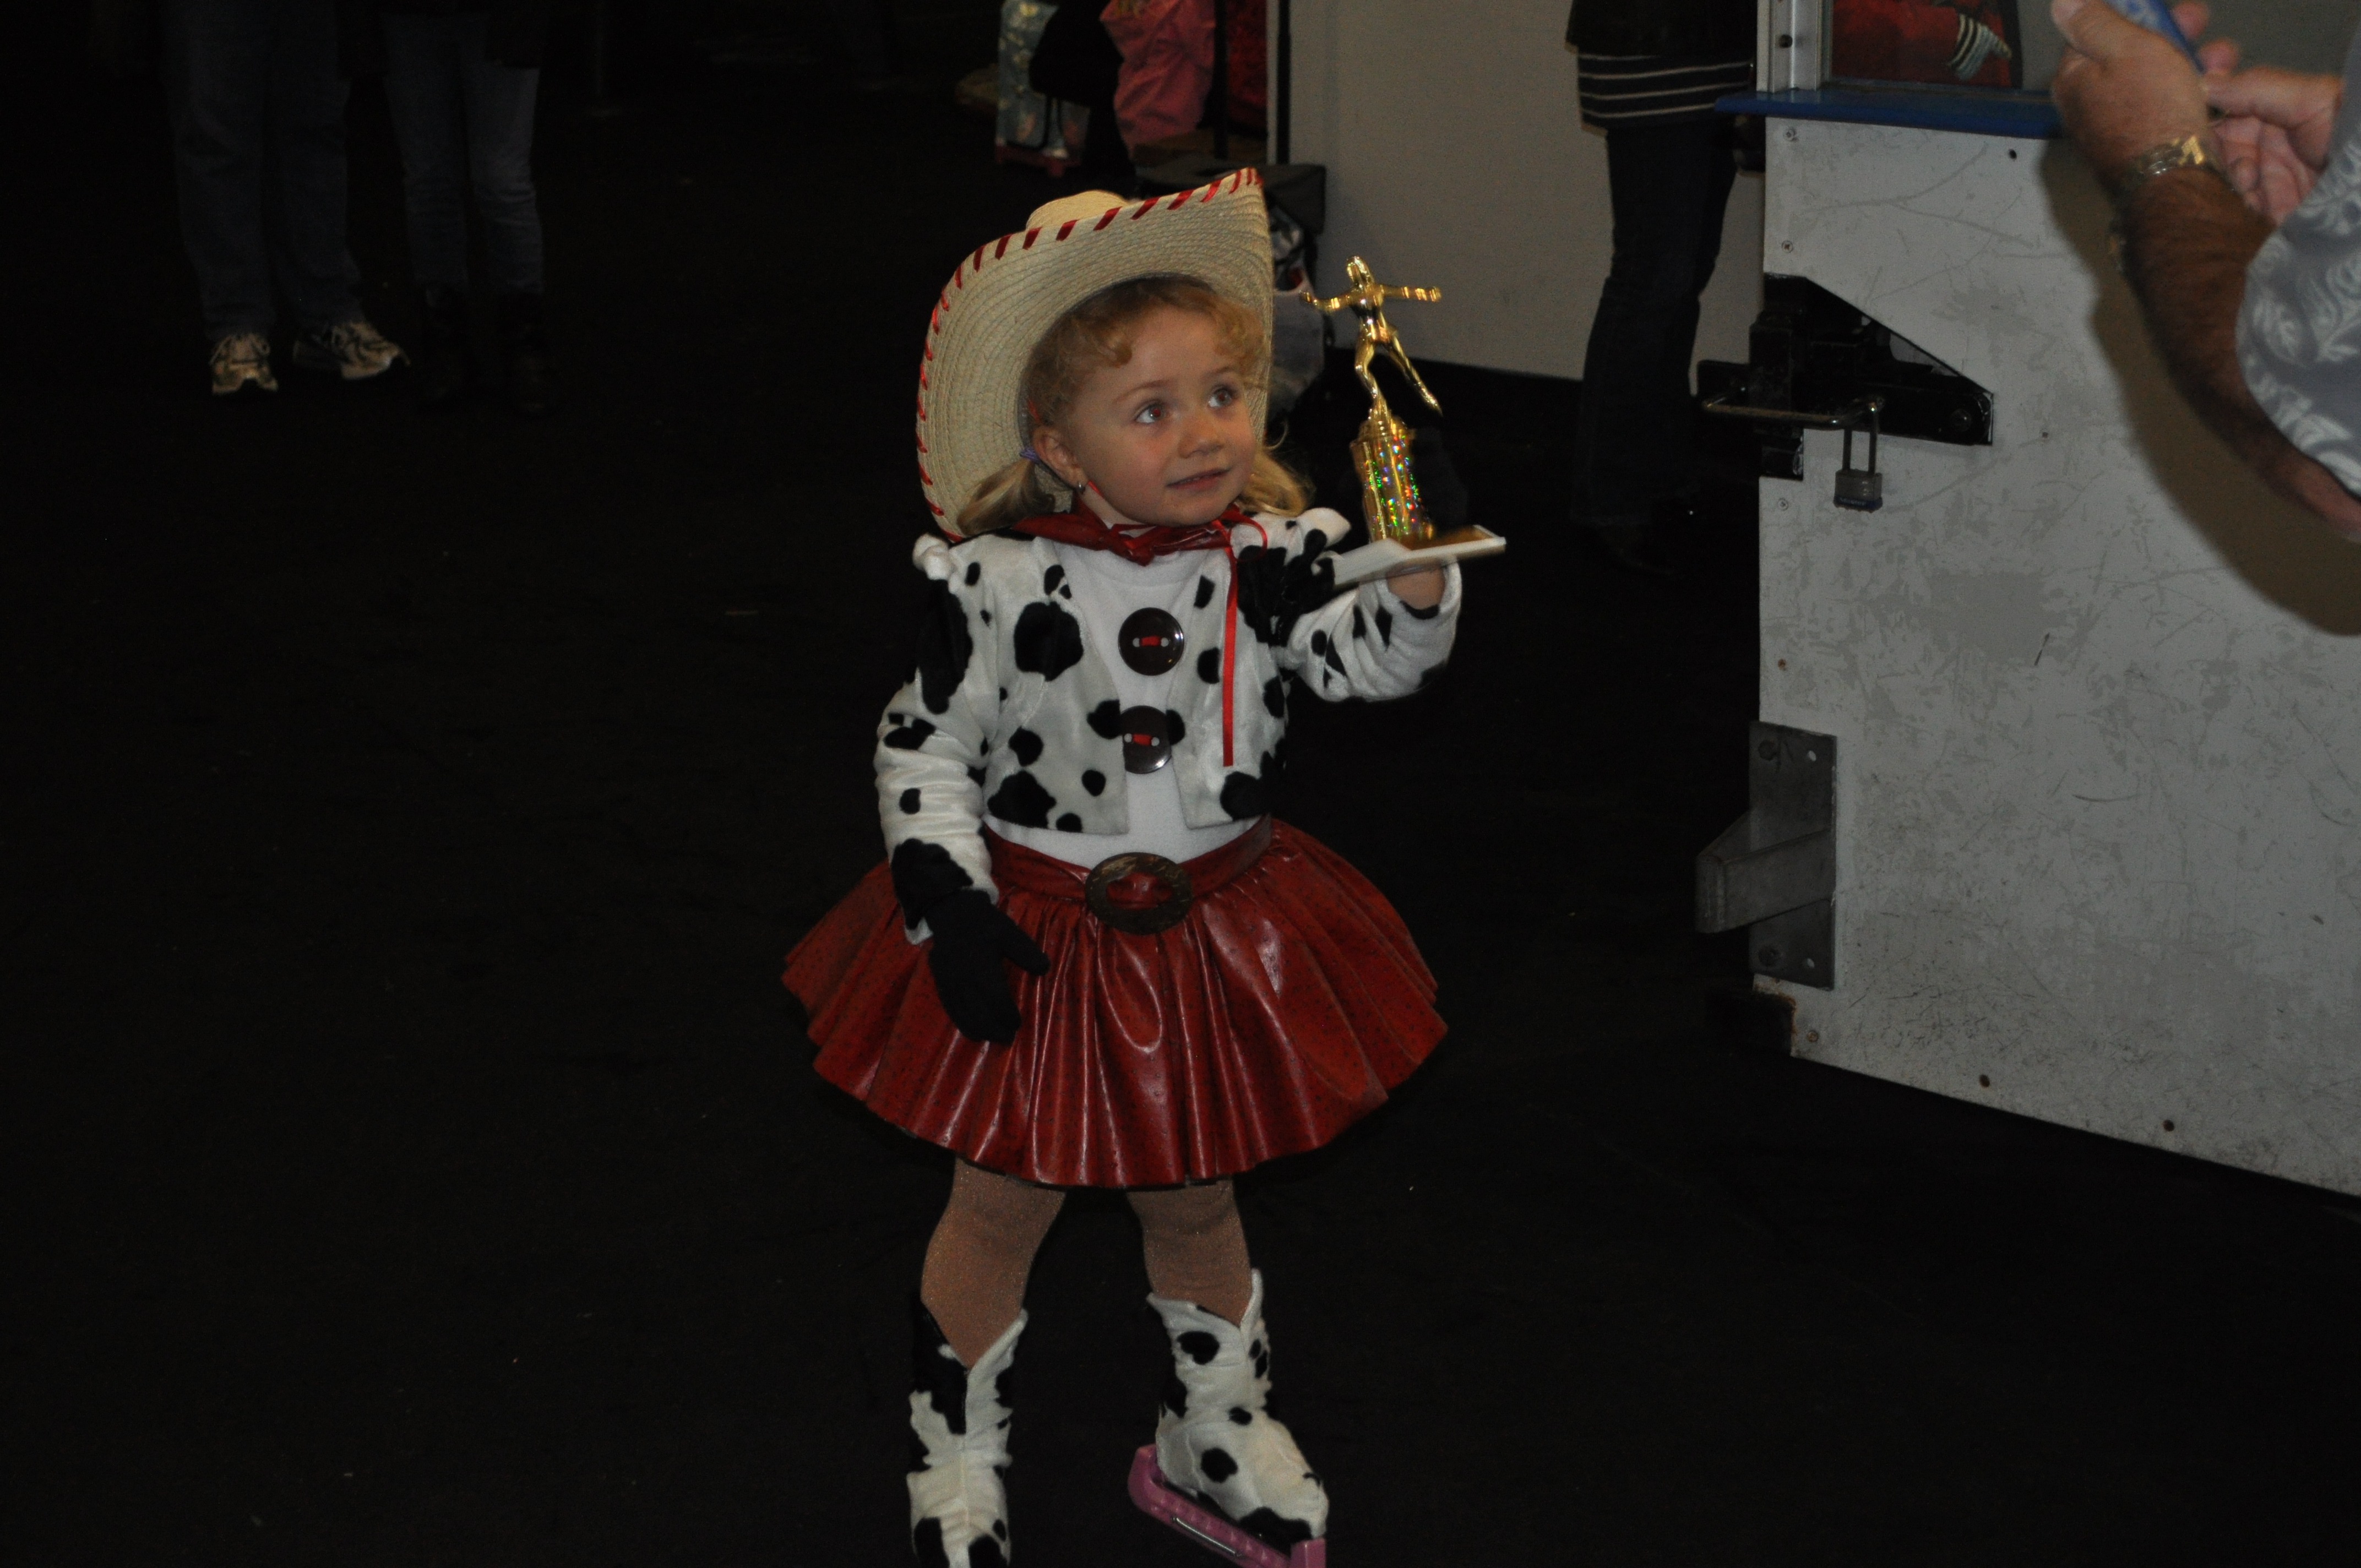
{"points": [[1001, 299]]}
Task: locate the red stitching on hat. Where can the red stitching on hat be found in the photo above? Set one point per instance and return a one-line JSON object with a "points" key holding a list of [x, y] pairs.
{"points": [[939, 511], [1211, 192], [922, 378], [1030, 235], [922, 444], [930, 351], [959, 276], [929, 478], [979, 259], [1002, 249], [1112, 212], [922, 407], [1179, 201], [1067, 228]]}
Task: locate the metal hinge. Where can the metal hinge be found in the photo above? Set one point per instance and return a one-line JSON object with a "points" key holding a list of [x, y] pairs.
{"points": [[1774, 872]]}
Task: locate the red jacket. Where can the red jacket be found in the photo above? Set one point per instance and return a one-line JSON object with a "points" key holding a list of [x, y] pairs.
{"points": [[1913, 40], [1168, 65]]}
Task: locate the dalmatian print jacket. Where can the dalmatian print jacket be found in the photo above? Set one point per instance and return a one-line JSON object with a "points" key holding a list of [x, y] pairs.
{"points": [[1013, 712]]}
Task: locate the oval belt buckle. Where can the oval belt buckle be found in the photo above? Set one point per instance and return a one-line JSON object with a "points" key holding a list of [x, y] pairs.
{"points": [[1144, 922]]}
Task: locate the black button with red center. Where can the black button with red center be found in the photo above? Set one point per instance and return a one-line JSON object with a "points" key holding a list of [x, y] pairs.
{"points": [[1151, 642], [1147, 739]]}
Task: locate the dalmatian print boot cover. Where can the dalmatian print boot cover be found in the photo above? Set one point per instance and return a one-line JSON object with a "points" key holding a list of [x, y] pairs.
{"points": [[959, 1510], [1216, 1441]]}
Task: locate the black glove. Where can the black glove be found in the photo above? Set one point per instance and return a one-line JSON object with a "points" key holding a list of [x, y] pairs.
{"points": [[971, 939]]}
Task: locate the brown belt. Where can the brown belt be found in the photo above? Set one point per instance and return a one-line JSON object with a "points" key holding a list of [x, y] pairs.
{"points": [[1139, 895]]}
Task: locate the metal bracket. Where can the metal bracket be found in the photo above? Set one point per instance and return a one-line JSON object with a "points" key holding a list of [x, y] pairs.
{"points": [[1774, 872], [1787, 49], [1813, 361], [1798, 947]]}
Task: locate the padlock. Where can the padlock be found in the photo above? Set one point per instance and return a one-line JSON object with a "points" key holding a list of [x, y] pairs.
{"points": [[1861, 489]]}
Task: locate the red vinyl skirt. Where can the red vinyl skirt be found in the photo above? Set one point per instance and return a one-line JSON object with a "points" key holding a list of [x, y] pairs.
{"points": [[1279, 1012]]}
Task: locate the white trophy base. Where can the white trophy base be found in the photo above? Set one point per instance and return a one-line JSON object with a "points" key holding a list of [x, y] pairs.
{"points": [[1389, 556]]}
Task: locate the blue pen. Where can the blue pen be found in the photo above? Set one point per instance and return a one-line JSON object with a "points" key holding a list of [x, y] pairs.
{"points": [[2156, 16]]}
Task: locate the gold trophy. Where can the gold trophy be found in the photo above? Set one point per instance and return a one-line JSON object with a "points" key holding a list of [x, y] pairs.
{"points": [[1402, 537]]}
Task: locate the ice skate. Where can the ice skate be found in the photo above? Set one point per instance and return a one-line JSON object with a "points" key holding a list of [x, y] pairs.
{"points": [[1222, 1471], [959, 1510]]}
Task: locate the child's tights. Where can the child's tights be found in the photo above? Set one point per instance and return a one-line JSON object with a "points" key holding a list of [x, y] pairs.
{"points": [[982, 1250]]}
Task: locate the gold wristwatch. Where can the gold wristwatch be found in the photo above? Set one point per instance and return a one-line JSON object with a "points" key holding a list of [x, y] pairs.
{"points": [[2188, 152]]}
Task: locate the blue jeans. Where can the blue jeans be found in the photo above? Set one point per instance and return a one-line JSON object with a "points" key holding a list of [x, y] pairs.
{"points": [[258, 144], [463, 122], [1633, 447]]}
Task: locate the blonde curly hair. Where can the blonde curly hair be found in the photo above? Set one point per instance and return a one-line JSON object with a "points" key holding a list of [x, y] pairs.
{"points": [[1097, 334]]}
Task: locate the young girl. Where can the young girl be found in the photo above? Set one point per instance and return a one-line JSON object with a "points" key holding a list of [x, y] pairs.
{"points": [[1092, 959]]}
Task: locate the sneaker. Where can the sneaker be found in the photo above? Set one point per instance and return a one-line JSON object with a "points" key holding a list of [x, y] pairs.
{"points": [[353, 350], [242, 360]]}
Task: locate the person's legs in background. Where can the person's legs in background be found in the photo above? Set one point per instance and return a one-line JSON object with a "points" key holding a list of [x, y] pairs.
{"points": [[216, 58], [500, 101], [422, 74], [307, 162], [1634, 448]]}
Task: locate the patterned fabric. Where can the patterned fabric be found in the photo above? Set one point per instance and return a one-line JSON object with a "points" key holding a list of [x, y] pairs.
{"points": [[1107, 592], [1029, 126], [1278, 1013], [1619, 90], [1014, 714], [2299, 327]]}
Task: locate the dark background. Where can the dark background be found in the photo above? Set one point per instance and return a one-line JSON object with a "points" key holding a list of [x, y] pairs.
{"points": [[416, 1161]]}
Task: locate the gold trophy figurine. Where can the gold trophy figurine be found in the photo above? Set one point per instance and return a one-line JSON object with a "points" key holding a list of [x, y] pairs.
{"points": [[1402, 536]]}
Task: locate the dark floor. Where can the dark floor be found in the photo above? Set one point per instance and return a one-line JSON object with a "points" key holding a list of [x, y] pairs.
{"points": [[417, 1161]]}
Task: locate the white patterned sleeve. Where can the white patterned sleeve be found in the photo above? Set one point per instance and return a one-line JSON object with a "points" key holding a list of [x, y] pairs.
{"points": [[931, 746], [1369, 644], [2300, 325]]}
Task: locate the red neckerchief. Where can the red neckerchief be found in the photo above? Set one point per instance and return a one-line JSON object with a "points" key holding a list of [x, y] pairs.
{"points": [[1141, 543]]}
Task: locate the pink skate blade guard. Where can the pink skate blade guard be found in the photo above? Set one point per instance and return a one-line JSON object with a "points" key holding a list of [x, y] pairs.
{"points": [[1208, 1529]]}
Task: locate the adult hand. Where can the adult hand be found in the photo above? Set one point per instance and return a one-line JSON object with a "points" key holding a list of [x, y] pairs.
{"points": [[2219, 57], [972, 941], [2276, 133], [2122, 89]]}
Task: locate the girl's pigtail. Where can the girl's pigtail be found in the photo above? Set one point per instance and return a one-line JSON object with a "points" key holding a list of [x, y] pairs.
{"points": [[1022, 489]]}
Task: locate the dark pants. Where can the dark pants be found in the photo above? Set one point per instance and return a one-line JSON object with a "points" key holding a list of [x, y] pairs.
{"points": [[464, 125], [1632, 439], [258, 144]]}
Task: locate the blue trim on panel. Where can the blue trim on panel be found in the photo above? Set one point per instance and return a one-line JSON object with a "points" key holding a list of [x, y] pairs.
{"points": [[1992, 113]]}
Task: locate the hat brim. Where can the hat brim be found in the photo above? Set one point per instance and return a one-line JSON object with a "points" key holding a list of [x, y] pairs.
{"points": [[1008, 292]]}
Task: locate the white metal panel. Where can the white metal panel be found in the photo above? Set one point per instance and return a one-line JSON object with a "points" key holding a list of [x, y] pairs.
{"points": [[2098, 694]]}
